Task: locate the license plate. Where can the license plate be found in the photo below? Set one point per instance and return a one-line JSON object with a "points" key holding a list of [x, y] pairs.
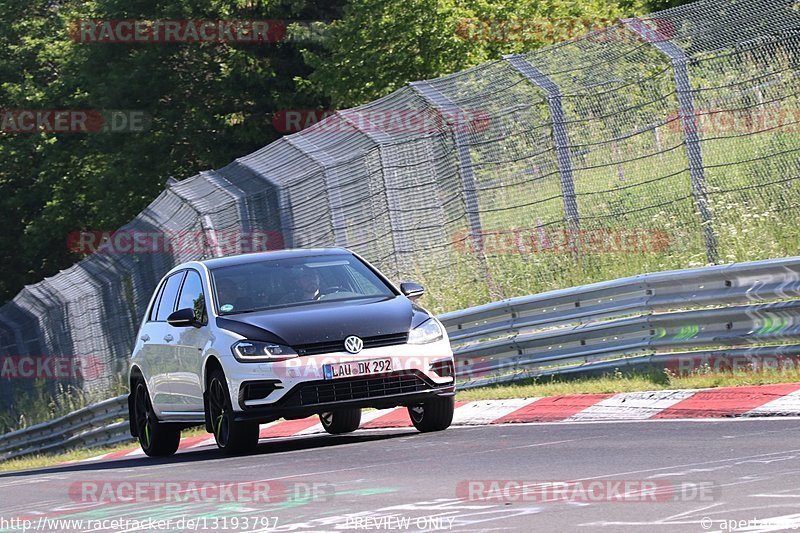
{"points": [[356, 368]]}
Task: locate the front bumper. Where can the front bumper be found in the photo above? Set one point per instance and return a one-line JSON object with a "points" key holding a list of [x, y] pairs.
{"points": [[296, 387], [379, 392]]}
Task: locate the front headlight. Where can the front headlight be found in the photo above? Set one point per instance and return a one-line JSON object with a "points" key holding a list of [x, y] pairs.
{"points": [[256, 351], [428, 331]]}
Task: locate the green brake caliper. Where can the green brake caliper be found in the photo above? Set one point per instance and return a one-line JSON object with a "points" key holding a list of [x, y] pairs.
{"points": [[219, 422]]}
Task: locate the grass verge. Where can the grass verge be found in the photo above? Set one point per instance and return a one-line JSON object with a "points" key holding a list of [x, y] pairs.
{"points": [[42, 461], [618, 382]]}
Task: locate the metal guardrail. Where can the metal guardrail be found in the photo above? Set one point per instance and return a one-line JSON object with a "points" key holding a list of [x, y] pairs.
{"points": [[92, 426], [745, 311], [641, 320]]}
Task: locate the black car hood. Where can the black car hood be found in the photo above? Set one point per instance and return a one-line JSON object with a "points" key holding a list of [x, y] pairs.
{"points": [[327, 321]]}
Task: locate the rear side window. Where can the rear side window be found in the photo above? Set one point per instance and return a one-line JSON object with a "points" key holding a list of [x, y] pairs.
{"points": [[154, 310], [166, 304], [192, 296]]}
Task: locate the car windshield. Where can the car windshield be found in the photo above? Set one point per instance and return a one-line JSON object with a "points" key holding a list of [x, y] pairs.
{"points": [[295, 281]]}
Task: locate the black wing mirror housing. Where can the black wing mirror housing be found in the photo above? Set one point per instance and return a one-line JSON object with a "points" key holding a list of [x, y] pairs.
{"points": [[182, 318], [412, 290]]}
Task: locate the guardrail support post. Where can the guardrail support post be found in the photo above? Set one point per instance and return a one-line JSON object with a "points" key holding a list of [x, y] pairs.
{"points": [[439, 101], [560, 134], [694, 152]]}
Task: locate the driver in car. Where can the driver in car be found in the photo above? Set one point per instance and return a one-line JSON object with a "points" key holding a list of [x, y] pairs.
{"points": [[306, 285]]}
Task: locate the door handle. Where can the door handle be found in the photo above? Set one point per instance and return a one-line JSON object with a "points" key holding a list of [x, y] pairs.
{"points": [[145, 337], [168, 337]]}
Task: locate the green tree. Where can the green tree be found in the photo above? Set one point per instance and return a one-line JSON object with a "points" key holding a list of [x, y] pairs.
{"points": [[658, 5], [380, 45], [208, 104]]}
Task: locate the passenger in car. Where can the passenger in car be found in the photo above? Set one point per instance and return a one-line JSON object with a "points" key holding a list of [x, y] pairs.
{"points": [[228, 293]]}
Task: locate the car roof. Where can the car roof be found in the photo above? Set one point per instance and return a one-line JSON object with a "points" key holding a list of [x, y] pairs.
{"points": [[244, 259]]}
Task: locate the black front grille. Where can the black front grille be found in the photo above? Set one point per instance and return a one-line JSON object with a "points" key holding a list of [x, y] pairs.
{"points": [[361, 388], [319, 347], [386, 340], [338, 345]]}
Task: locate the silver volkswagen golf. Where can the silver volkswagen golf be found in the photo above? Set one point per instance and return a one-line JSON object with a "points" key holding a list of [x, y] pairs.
{"points": [[239, 341]]}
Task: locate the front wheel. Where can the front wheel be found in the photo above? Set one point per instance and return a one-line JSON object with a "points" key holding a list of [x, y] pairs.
{"points": [[232, 437], [341, 421], [434, 414], [156, 439]]}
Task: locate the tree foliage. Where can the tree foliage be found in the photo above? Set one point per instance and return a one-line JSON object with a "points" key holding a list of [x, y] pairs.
{"points": [[379, 45], [208, 103]]}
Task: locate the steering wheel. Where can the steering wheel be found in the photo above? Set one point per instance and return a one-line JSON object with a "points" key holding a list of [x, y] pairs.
{"points": [[330, 290]]}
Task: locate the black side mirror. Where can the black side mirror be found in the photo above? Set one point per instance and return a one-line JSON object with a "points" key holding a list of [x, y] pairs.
{"points": [[182, 318], [412, 290]]}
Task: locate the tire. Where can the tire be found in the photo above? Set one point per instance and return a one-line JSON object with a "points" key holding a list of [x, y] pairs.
{"points": [[341, 421], [155, 438], [231, 437], [434, 414]]}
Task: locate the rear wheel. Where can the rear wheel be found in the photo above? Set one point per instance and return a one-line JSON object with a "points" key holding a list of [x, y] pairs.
{"points": [[341, 421], [156, 439], [434, 414], [232, 437]]}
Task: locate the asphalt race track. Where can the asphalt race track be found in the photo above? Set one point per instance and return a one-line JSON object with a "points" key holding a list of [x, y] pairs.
{"points": [[704, 475]]}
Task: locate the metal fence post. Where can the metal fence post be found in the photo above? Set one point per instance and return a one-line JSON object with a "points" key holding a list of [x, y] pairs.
{"points": [[284, 208], [439, 101], [331, 183], [560, 134], [239, 171], [380, 139], [234, 192], [688, 116]]}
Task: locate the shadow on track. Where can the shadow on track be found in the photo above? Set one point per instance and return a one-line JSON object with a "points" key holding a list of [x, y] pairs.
{"points": [[265, 447]]}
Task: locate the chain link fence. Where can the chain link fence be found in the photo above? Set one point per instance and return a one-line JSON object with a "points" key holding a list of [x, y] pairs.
{"points": [[669, 141]]}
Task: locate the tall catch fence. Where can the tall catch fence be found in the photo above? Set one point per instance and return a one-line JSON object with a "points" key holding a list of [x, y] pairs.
{"points": [[665, 142]]}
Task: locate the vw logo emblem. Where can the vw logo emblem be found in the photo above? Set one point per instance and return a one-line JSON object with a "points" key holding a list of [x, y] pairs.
{"points": [[353, 344]]}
